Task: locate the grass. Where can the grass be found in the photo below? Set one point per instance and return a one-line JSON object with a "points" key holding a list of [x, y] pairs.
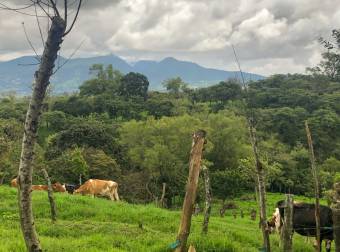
{"points": [[99, 225]]}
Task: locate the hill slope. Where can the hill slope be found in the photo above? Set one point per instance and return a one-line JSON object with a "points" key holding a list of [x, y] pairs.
{"points": [[16, 75], [86, 224]]}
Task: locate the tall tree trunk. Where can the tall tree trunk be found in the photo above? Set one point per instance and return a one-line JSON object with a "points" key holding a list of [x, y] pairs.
{"points": [[336, 216], [207, 208], [42, 77], [262, 188], [191, 188], [287, 231], [316, 187], [50, 196]]}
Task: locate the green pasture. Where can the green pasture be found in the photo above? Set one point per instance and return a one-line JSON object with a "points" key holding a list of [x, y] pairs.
{"points": [[99, 225]]}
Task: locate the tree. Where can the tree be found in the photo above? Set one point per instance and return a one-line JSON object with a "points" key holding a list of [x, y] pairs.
{"points": [[101, 165], [57, 31], [134, 84], [54, 120], [107, 81], [330, 63], [69, 166], [84, 134], [174, 85]]}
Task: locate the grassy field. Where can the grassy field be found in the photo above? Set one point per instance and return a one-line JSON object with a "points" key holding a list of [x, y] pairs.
{"points": [[86, 224]]}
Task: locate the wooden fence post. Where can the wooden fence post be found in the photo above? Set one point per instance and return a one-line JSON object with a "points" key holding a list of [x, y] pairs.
{"points": [[316, 187], [261, 186], [207, 209], [191, 188], [287, 230], [336, 216], [162, 203], [50, 196]]}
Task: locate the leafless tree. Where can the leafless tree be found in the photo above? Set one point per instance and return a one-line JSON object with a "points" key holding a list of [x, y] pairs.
{"points": [[60, 21], [260, 172]]}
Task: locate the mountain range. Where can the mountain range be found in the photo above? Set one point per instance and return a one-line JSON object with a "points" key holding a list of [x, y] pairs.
{"points": [[16, 75]]}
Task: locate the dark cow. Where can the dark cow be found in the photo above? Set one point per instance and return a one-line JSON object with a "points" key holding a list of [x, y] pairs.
{"points": [[304, 220], [71, 188]]}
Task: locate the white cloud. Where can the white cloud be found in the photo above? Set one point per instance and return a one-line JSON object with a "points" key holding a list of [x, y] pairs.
{"points": [[271, 36]]}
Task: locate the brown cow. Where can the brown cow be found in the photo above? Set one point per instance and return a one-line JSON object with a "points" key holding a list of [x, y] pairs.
{"points": [[39, 187], [97, 187], [14, 182], [57, 187]]}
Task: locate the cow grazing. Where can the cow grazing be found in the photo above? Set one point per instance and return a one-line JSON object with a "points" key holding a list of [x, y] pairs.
{"points": [[39, 187], [14, 182], [274, 223], [71, 188], [304, 221], [57, 187], [97, 187]]}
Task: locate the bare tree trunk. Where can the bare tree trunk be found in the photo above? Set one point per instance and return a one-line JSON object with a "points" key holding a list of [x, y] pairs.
{"points": [[262, 188], [50, 196], [207, 208], [336, 216], [287, 231], [191, 188], [42, 77], [163, 195], [316, 187]]}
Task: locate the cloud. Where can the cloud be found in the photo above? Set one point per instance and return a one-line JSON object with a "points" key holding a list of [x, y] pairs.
{"points": [[271, 36]]}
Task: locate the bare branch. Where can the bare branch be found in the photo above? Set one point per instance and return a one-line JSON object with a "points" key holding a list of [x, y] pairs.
{"points": [[65, 11], [54, 6], [28, 64], [15, 9], [75, 18], [30, 43], [18, 10], [46, 12], [38, 23], [70, 57]]}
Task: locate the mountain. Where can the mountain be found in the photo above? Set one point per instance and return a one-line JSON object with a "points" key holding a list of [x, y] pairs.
{"points": [[17, 75]]}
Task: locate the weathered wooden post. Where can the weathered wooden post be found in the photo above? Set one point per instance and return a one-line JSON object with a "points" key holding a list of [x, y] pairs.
{"points": [[207, 209], [287, 230], [191, 188], [253, 214], [50, 196], [162, 203], [261, 185], [336, 216], [316, 187]]}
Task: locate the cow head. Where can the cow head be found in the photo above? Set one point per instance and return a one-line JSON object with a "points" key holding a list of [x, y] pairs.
{"points": [[57, 187]]}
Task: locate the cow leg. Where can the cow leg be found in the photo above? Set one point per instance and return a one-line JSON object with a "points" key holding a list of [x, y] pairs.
{"points": [[116, 194], [328, 244]]}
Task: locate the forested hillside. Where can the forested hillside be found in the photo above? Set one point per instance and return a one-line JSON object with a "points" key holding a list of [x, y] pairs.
{"points": [[116, 128]]}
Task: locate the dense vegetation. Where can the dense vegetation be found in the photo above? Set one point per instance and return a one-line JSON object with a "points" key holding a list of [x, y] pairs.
{"points": [[115, 128]]}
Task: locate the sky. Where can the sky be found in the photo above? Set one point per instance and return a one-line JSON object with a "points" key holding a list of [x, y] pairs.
{"points": [[270, 36]]}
